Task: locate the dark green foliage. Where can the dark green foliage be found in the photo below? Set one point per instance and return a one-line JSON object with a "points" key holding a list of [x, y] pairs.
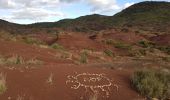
{"points": [[152, 84]]}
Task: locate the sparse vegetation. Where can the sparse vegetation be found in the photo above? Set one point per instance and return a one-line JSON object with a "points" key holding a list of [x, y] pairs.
{"points": [[146, 44], [108, 41], [3, 86], [152, 84], [94, 96], [32, 41], [50, 79], [121, 45], [164, 49], [109, 53], [20, 97], [83, 57], [167, 59], [15, 59], [57, 46]]}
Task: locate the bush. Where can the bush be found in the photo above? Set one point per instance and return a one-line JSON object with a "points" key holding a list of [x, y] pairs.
{"points": [[152, 84], [57, 46]]}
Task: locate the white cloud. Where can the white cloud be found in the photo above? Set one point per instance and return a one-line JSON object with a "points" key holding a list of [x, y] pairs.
{"points": [[128, 4], [34, 14], [6, 4], [39, 10], [103, 5]]}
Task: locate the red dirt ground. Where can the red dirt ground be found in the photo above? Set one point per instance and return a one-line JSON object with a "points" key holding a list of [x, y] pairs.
{"points": [[30, 82], [78, 42], [120, 36]]}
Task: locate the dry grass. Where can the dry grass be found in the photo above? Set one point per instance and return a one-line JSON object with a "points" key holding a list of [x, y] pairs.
{"points": [[3, 86], [50, 79], [20, 97], [94, 96], [15, 59]]}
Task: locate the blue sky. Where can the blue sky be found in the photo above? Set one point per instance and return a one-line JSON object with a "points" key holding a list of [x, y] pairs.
{"points": [[31, 11]]}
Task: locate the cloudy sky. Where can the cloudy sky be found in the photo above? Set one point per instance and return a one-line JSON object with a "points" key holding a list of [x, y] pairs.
{"points": [[31, 11]]}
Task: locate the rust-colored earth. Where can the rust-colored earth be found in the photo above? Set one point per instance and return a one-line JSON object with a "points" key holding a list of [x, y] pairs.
{"points": [[51, 80]]}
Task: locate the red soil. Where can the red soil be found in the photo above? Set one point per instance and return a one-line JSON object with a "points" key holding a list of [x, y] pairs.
{"points": [[130, 37], [30, 52], [32, 84], [78, 42], [161, 39]]}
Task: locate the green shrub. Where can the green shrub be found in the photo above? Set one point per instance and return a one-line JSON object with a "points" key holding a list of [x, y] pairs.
{"points": [[152, 84], [57, 46], [109, 53]]}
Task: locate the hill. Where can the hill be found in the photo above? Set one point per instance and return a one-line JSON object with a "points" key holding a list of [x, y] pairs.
{"points": [[87, 23], [147, 16]]}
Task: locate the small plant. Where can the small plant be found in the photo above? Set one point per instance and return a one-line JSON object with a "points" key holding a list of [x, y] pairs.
{"points": [[167, 59], [2, 60], [94, 96], [3, 86], [146, 44], [57, 46], [20, 97], [34, 62], [15, 60], [32, 41], [121, 45], [50, 79], [83, 57], [165, 49], [109, 53], [108, 42], [152, 84]]}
